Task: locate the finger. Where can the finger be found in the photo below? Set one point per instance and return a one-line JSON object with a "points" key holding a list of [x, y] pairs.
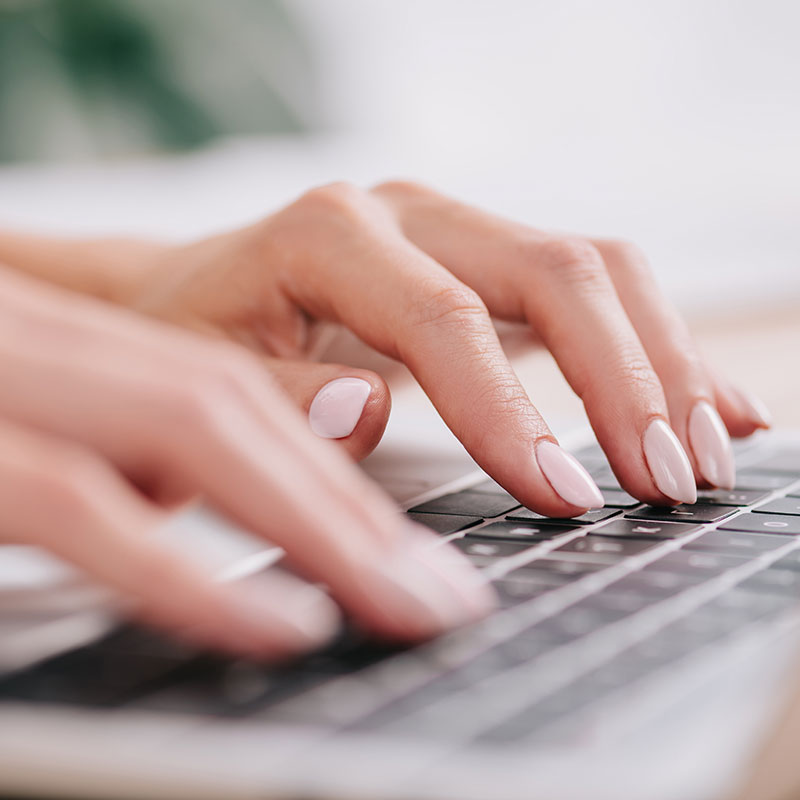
{"points": [[343, 403], [253, 456], [686, 381], [742, 412], [419, 313], [155, 400], [562, 288], [73, 504]]}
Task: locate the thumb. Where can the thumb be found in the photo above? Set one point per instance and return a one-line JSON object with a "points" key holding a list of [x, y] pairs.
{"points": [[344, 403]]}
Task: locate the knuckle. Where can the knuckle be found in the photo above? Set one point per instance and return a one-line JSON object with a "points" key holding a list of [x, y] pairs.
{"points": [[198, 397], [66, 480], [627, 255], [572, 259], [341, 199], [403, 188], [454, 303], [203, 395]]}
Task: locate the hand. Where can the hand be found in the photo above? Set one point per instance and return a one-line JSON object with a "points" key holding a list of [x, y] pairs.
{"points": [[417, 275], [107, 419]]}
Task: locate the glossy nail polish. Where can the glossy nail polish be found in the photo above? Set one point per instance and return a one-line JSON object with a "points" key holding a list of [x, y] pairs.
{"points": [[711, 446], [755, 408], [668, 463], [337, 407], [309, 621], [411, 596], [565, 474], [454, 568]]}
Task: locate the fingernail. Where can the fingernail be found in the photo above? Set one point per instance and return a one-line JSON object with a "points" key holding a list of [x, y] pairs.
{"points": [[565, 474], [711, 446], [454, 568], [668, 463], [309, 618], [756, 410], [337, 407], [414, 597]]}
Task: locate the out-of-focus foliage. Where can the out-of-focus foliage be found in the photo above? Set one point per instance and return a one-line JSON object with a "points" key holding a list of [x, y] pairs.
{"points": [[110, 77]]}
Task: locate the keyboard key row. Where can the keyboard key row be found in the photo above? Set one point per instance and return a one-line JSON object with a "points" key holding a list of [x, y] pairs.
{"points": [[766, 523], [682, 513]]}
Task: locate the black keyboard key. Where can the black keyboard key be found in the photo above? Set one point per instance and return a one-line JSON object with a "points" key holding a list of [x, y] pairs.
{"points": [[512, 592], [774, 580], [747, 606], [617, 498], [572, 569], [553, 572], [469, 504], [482, 553], [755, 479], [682, 513], [737, 497], [703, 565], [444, 523], [789, 561], [589, 518], [519, 588], [623, 601], [520, 532], [104, 674], [529, 644], [631, 529], [581, 620], [781, 505], [606, 548], [736, 544], [654, 585], [699, 628], [764, 523]]}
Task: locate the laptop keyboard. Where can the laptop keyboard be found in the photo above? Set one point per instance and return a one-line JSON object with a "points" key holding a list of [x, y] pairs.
{"points": [[589, 607]]}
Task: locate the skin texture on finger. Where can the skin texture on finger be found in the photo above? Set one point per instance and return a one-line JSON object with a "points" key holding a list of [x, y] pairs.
{"points": [[60, 497], [561, 287], [167, 403], [360, 414]]}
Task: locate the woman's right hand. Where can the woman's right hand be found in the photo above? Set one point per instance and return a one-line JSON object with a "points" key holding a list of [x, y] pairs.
{"points": [[107, 419]]}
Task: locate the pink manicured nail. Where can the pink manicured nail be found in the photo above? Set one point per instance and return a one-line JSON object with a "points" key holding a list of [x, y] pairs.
{"points": [[668, 463], [310, 620], [411, 595], [570, 481], [754, 407], [337, 407], [711, 446], [453, 567]]}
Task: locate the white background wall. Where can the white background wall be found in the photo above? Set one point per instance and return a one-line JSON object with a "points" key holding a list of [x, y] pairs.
{"points": [[676, 124]]}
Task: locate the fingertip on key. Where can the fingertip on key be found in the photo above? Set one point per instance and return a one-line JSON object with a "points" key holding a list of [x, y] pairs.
{"points": [[668, 463], [567, 476]]}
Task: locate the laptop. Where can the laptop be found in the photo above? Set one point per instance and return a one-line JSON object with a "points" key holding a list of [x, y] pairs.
{"points": [[637, 653]]}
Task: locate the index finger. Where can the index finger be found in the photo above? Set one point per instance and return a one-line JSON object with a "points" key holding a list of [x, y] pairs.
{"points": [[420, 313]]}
